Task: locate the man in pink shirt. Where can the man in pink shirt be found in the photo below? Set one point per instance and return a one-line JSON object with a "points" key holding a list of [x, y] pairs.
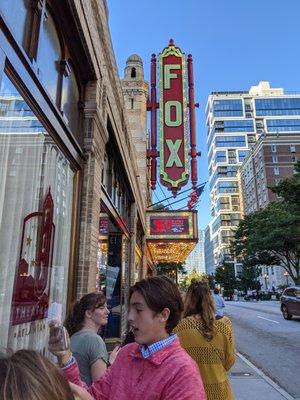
{"points": [[155, 366]]}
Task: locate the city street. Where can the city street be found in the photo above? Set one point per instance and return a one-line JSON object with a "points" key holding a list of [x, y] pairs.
{"points": [[271, 343]]}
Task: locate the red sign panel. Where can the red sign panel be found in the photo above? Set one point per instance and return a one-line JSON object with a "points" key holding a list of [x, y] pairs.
{"points": [[169, 225], [173, 119]]}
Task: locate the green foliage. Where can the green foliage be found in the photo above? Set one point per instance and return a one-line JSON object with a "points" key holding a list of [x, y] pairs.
{"points": [[160, 206], [248, 277], [165, 268], [289, 189], [185, 283], [225, 276], [171, 270], [271, 236]]}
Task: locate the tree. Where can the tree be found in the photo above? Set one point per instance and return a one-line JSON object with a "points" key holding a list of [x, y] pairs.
{"points": [[289, 189], [160, 206], [188, 279], [225, 276], [248, 277], [271, 236], [171, 269]]}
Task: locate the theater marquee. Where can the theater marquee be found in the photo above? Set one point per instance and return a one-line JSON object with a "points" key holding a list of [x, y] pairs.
{"points": [[171, 235]]}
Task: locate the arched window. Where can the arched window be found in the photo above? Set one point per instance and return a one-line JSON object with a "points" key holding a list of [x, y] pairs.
{"points": [[133, 72], [49, 55]]}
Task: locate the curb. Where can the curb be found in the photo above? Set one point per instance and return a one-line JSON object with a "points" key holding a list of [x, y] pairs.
{"points": [[274, 385]]}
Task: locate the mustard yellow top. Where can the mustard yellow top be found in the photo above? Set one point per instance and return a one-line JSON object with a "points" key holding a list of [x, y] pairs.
{"points": [[214, 358]]}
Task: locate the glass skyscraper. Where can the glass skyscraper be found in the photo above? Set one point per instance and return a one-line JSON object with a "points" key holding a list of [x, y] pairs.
{"points": [[235, 120]]}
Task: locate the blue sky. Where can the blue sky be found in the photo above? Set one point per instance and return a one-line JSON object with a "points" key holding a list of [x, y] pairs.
{"points": [[235, 44]]}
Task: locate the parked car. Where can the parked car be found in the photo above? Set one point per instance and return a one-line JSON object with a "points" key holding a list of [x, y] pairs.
{"points": [[290, 302]]}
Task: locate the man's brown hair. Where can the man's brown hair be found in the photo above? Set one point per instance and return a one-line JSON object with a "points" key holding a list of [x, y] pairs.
{"points": [[161, 292]]}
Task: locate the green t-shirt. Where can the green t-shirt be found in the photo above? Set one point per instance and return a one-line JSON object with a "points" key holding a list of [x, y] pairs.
{"points": [[87, 347]]}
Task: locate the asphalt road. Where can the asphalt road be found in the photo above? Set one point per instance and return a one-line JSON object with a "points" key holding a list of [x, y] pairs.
{"points": [[271, 343]]}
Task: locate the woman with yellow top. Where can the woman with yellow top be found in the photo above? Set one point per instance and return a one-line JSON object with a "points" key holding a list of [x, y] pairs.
{"points": [[209, 341]]}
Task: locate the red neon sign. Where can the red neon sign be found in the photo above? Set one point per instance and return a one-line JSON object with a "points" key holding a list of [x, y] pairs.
{"points": [[169, 225]]}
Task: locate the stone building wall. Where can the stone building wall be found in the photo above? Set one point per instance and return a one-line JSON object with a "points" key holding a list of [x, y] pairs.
{"points": [[103, 99]]}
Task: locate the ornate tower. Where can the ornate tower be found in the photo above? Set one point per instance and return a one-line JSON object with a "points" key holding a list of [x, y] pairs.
{"points": [[135, 90]]}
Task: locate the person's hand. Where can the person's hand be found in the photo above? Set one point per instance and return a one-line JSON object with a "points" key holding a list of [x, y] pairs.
{"points": [[113, 354], [56, 343], [80, 393]]}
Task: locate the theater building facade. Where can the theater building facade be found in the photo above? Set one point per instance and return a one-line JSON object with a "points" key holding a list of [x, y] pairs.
{"points": [[72, 200]]}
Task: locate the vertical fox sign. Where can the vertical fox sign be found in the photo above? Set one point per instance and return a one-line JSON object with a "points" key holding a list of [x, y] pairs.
{"points": [[174, 171], [173, 121]]}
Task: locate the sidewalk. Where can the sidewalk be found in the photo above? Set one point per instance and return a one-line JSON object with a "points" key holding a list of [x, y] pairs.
{"points": [[248, 382]]}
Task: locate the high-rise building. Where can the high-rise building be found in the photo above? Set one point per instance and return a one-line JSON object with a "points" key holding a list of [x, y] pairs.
{"points": [[235, 121], [195, 261], [271, 159], [208, 251]]}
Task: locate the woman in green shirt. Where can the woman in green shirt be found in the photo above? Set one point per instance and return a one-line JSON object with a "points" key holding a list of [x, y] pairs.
{"points": [[87, 316]]}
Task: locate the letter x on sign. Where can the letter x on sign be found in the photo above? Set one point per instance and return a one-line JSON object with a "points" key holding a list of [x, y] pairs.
{"points": [[174, 148]]}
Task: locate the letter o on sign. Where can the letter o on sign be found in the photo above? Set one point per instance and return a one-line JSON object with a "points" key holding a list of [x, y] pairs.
{"points": [[178, 113]]}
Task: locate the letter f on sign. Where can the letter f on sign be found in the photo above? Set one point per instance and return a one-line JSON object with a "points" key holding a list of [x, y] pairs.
{"points": [[168, 75], [174, 158]]}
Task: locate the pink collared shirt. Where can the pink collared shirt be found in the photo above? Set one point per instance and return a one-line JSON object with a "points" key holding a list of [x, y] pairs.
{"points": [[168, 374]]}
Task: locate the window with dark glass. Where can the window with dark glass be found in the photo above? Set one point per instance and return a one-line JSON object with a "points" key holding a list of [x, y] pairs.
{"points": [[228, 187], [228, 108], [49, 55], [133, 72], [230, 141], [283, 125], [245, 125], [242, 155], [221, 156], [70, 99], [278, 106]]}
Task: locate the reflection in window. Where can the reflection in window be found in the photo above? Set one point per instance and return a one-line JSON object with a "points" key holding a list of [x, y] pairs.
{"points": [[286, 106], [69, 100], [16, 14], [283, 125], [49, 55], [36, 181], [230, 141], [234, 126], [227, 108]]}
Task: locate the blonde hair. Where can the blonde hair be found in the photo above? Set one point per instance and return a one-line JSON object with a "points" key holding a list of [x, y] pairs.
{"points": [[199, 301], [27, 375]]}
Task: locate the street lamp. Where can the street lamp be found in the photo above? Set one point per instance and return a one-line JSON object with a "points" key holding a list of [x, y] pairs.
{"points": [[286, 274]]}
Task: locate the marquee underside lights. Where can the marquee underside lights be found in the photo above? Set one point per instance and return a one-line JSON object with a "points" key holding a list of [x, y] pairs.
{"points": [[170, 252]]}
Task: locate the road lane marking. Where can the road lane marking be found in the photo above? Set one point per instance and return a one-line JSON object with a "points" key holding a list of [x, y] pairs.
{"points": [[267, 319]]}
